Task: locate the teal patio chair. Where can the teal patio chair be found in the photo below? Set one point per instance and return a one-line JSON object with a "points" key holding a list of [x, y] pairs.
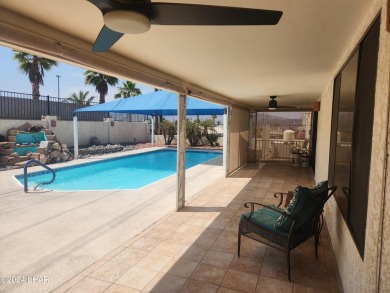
{"points": [[285, 229]]}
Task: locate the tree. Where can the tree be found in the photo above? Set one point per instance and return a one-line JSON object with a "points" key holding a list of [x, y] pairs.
{"points": [[193, 131], [101, 83], [128, 90], [207, 124], [81, 98], [34, 67]]}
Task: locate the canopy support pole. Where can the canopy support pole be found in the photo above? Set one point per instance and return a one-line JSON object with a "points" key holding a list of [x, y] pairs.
{"points": [[75, 137], [181, 152], [225, 136], [152, 138]]}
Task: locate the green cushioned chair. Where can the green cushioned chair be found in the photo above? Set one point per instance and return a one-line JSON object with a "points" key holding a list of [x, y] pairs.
{"points": [[285, 229]]}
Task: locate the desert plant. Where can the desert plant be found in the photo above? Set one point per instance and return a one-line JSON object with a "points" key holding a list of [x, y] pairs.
{"points": [[193, 131], [206, 124], [168, 130], [212, 138]]}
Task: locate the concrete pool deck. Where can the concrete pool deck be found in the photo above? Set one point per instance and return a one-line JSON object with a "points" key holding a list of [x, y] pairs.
{"points": [[56, 235]]}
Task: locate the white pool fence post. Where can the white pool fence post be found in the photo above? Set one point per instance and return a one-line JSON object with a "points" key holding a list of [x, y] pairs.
{"points": [[75, 137], [181, 152]]}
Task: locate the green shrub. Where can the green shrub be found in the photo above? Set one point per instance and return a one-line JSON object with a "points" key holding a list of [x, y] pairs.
{"points": [[212, 138]]}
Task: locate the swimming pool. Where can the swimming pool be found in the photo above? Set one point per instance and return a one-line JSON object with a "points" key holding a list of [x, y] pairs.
{"points": [[127, 172]]}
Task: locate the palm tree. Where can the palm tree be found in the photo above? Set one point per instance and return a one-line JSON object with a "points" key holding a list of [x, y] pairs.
{"points": [[128, 90], [101, 83], [34, 67], [81, 98]]}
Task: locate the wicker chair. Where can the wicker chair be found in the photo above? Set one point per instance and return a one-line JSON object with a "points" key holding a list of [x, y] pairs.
{"points": [[305, 221]]}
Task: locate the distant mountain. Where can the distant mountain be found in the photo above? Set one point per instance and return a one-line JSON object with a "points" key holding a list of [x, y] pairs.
{"points": [[265, 118]]}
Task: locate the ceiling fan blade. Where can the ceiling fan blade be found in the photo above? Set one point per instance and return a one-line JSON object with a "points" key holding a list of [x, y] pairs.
{"points": [[191, 14], [106, 39]]}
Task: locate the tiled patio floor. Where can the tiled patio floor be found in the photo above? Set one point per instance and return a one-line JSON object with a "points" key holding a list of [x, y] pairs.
{"points": [[195, 250]]}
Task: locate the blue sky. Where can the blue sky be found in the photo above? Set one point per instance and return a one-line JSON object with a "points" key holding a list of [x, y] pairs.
{"points": [[71, 80]]}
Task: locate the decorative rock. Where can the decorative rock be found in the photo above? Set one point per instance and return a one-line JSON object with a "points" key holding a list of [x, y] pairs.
{"points": [[56, 146], [7, 145], [15, 155], [43, 159], [35, 156], [24, 127], [11, 161], [35, 128], [42, 150], [12, 131], [5, 152], [64, 157]]}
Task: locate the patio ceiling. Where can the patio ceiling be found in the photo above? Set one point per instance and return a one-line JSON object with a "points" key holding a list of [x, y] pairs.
{"points": [[292, 60]]}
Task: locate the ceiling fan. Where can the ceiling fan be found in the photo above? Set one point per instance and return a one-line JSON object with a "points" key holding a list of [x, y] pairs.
{"points": [[273, 104], [136, 16]]}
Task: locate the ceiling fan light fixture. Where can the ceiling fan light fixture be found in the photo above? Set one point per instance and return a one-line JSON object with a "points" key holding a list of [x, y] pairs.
{"points": [[272, 104], [127, 21]]}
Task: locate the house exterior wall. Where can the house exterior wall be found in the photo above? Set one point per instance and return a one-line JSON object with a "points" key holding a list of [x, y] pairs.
{"points": [[238, 136], [121, 132], [370, 273]]}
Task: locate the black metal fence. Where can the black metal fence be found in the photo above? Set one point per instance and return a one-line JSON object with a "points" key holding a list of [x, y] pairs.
{"points": [[15, 105], [23, 106]]}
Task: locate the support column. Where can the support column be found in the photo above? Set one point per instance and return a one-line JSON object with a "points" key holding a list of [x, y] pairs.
{"points": [[181, 152], [75, 137], [152, 138], [226, 140]]}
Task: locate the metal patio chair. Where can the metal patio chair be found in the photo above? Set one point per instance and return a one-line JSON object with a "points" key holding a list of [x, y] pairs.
{"points": [[285, 229]]}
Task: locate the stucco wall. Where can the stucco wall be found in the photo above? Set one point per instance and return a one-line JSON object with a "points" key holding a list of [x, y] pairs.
{"points": [[381, 140], [121, 132], [238, 135], [357, 274]]}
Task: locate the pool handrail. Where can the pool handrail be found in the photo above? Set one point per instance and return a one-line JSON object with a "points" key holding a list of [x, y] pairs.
{"points": [[40, 164]]}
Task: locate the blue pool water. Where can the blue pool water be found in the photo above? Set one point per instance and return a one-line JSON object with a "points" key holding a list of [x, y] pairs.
{"points": [[129, 172]]}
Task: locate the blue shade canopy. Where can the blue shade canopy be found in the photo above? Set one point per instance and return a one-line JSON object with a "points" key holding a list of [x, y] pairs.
{"points": [[156, 103]]}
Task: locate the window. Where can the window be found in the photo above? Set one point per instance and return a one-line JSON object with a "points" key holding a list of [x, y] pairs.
{"points": [[351, 135]]}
